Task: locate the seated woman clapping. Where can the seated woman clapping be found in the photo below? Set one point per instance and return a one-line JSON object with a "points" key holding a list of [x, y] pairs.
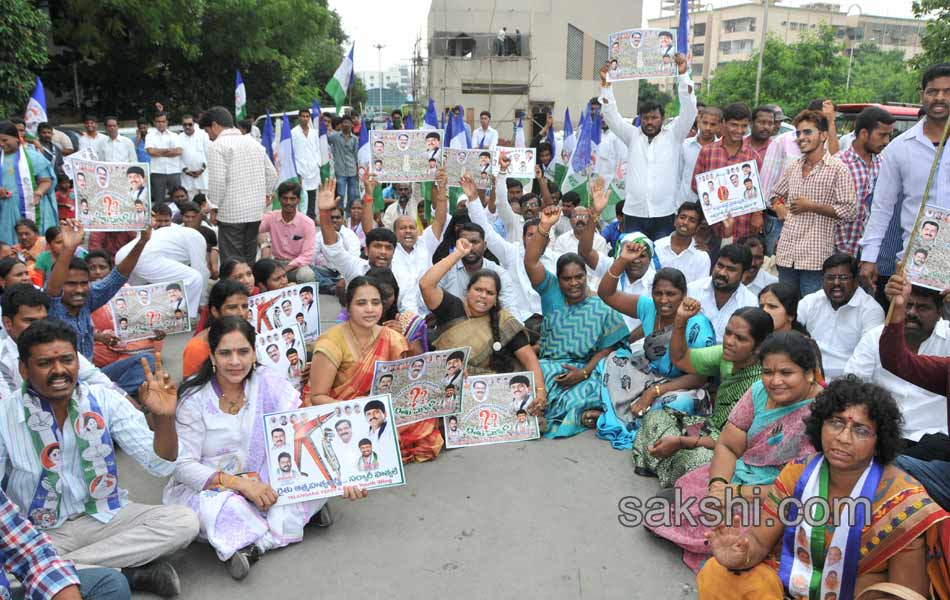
{"points": [[856, 428], [669, 443], [221, 471]]}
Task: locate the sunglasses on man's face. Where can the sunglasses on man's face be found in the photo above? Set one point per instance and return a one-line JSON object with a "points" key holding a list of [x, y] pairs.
{"points": [[804, 133]]}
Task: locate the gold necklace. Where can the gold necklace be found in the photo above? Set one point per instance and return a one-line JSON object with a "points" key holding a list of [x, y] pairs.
{"points": [[234, 406], [362, 346]]}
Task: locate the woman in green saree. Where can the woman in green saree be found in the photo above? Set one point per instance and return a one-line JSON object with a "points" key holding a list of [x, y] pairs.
{"points": [[670, 443]]}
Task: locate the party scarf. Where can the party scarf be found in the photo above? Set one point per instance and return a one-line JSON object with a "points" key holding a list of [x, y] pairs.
{"points": [[24, 178]]}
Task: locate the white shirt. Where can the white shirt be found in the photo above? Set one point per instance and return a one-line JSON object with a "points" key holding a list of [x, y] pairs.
{"points": [[87, 141], [410, 267], [456, 281], [703, 291], [692, 262], [351, 243], [837, 332], [120, 150], [194, 157], [394, 211], [762, 279], [351, 266], [653, 168], [163, 140], [18, 458], [567, 242], [483, 138], [511, 257], [180, 244], [924, 412], [307, 156], [610, 153]]}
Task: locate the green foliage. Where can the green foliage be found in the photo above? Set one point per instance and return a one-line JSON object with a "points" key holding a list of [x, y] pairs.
{"points": [[935, 39], [649, 92], [183, 53], [814, 67], [24, 32]]}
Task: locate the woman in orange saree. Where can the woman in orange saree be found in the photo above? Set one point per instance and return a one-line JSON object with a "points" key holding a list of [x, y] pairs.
{"points": [[345, 356]]}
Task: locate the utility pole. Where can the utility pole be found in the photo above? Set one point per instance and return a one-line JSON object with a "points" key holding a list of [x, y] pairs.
{"points": [[379, 58], [765, 30]]}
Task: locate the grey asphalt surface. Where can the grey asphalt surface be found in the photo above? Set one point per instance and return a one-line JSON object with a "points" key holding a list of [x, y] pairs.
{"points": [[518, 520]]}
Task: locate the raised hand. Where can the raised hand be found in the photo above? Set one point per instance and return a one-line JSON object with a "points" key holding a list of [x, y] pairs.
{"points": [[680, 59], [631, 251], [603, 74], [599, 195], [326, 199], [158, 393], [503, 162], [73, 232], [688, 309], [538, 174], [441, 179], [468, 186], [462, 246], [369, 183], [897, 289], [549, 217]]}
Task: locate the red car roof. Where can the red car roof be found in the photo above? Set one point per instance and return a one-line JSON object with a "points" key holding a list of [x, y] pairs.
{"points": [[897, 111]]}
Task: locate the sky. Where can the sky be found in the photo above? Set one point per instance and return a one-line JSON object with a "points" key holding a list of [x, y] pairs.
{"points": [[395, 24]]}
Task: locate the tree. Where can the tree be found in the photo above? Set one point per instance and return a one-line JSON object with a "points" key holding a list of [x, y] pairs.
{"points": [[649, 92], [184, 53], [24, 36], [936, 37], [814, 67]]}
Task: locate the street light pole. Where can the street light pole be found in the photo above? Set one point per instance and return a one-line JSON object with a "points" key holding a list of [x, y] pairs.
{"points": [[851, 43], [765, 30], [379, 58]]}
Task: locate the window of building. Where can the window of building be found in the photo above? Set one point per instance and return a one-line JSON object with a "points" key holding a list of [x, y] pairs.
{"points": [[575, 53], [699, 49], [699, 29], [738, 25], [600, 57]]}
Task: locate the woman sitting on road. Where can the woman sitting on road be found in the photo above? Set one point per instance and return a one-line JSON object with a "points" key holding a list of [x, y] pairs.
{"points": [[856, 428], [764, 432], [670, 443]]}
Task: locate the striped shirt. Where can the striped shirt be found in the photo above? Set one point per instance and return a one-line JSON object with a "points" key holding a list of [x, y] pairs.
{"points": [[125, 424], [29, 555], [864, 176], [808, 238], [240, 176]]}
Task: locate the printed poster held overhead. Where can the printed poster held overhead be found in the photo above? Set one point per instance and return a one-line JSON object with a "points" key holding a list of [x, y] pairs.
{"points": [[111, 196], [474, 162], [521, 162], [273, 311], [313, 452], [139, 310], [927, 261], [405, 156], [641, 54], [424, 386], [494, 411], [730, 191]]}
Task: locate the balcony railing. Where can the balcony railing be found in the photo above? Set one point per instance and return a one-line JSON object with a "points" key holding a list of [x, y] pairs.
{"points": [[464, 45]]}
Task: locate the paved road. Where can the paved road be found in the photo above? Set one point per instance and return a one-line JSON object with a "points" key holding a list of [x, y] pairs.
{"points": [[520, 520]]}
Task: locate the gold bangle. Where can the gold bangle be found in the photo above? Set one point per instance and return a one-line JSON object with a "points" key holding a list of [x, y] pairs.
{"points": [[656, 389], [546, 234]]}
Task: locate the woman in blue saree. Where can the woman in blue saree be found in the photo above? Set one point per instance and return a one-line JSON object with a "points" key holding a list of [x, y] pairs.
{"points": [[578, 331], [27, 185]]}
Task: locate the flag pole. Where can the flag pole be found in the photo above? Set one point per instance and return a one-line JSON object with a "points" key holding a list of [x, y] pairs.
{"points": [[920, 211]]}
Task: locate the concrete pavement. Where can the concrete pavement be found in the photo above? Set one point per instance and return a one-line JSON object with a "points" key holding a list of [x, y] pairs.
{"points": [[519, 520]]}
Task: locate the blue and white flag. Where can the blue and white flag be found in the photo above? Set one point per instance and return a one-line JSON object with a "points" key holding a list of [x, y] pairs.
{"points": [[36, 108], [240, 98]]}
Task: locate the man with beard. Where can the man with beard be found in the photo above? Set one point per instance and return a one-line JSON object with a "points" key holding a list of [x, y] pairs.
{"points": [[755, 277], [654, 154], [760, 132], [838, 315], [872, 132], [708, 124], [678, 250], [453, 433], [285, 467], [723, 293], [925, 333], [813, 194], [404, 206], [730, 149]]}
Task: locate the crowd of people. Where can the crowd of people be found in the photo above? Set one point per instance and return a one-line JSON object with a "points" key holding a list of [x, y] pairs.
{"points": [[745, 359]]}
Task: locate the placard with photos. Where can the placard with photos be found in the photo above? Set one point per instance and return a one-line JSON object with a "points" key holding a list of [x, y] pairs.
{"points": [[284, 351], [521, 162], [139, 310], [278, 309], [730, 191], [494, 411], [642, 53], [313, 452], [927, 259], [111, 196], [475, 162], [405, 156], [423, 387]]}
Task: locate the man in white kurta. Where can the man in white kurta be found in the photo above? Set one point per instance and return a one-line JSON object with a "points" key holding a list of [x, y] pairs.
{"points": [[194, 157], [306, 142]]}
